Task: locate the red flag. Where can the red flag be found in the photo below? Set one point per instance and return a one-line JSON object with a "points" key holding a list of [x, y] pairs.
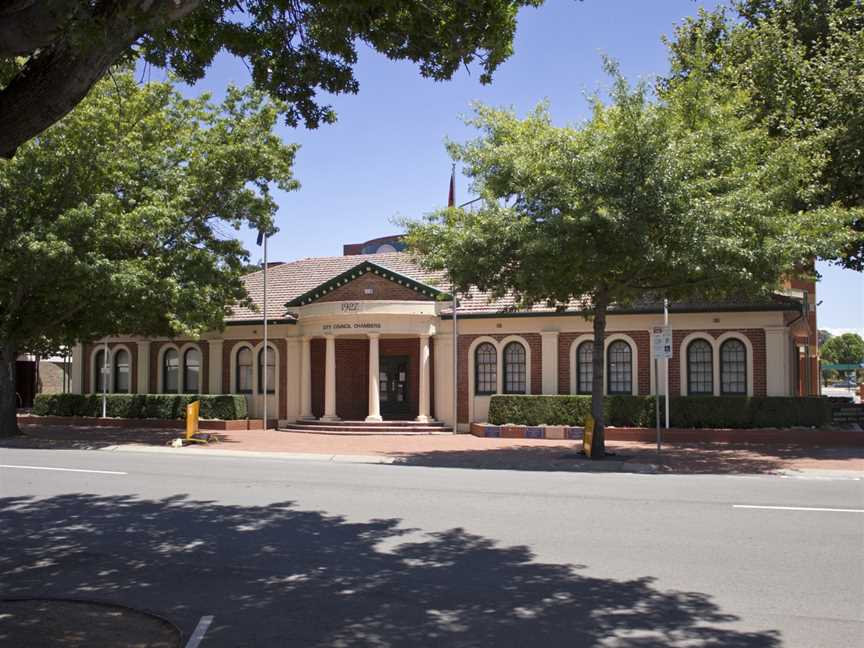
{"points": [[451, 200]]}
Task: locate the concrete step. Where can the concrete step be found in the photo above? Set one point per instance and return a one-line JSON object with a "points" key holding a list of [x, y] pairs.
{"points": [[386, 422], [367, 429]]}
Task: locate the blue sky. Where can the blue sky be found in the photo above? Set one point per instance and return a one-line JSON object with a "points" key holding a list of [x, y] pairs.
{"points": [[385, 156]]}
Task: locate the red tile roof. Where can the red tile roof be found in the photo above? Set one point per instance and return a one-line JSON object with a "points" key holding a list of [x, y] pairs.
{"points": [[288, 281]]}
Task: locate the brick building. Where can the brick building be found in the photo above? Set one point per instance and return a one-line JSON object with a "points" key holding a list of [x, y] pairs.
{"points": [[370, 337]]}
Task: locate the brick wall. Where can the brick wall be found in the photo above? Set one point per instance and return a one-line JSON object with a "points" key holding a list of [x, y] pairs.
{"points": [[352, 379], [643, 349], [381, 289], [281, 346], [642, 339], [534, 341], [133, 364]]}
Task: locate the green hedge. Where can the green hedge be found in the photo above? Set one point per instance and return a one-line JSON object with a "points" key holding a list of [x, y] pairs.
{"points": [[145, 406], [684, 411]]}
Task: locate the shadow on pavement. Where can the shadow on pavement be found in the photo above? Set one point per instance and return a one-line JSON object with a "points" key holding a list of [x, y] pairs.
{"points": [[704, 458], [277, 576]]}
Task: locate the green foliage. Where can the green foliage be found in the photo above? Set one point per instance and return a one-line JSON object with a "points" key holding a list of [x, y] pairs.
{"points": [[294, 50], [141, 406], [847, 348], [111, 219], [685, 411], [797, 67]]}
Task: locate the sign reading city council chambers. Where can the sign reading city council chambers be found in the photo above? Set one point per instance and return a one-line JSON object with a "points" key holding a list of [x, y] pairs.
{"points": [[342, 326]]}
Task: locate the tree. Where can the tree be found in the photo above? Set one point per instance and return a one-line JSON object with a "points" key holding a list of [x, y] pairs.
{"points": [[847, 348], [799, 64], [645, 200], [53, 51], [111, 220]]}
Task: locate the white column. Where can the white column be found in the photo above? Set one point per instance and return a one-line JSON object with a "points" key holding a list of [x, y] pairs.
{"points": [[549, 361], [306, 378], [777, 361], [77, 386], [214, 371], [330, 381], [444, 378], [374, 394], [425, 382], [143, 366]]}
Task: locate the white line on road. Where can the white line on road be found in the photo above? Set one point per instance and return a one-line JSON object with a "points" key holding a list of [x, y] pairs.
{"points": [[797, 508], [78, 470], [200, 630]]}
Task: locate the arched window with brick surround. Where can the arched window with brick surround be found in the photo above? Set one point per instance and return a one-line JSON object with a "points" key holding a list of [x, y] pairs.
{"points": [[733, 367], [244, 370], [515, 366], [619, 368], [700, 368], [121, 371], [171, 372], [192, 371], [485, 369]]}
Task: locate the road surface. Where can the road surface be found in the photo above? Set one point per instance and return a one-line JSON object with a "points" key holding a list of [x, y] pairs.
{"points": [[306, 553]]}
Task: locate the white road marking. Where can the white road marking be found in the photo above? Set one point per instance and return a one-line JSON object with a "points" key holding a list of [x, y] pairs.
{"points": [[200, 630], [797, 508], [78, 470]]}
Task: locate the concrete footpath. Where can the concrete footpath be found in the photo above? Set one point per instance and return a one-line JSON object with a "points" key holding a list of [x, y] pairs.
{"points": [[466, 451]]}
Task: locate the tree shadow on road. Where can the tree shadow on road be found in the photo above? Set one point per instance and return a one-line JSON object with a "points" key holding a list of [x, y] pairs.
{"points": [[278, 576], [694, 458]]}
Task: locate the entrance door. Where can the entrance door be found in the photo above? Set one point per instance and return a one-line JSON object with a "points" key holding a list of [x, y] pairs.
{"points": [[393, 386]]}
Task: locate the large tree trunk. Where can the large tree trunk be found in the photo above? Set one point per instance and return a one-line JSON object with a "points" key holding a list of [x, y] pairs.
{"points": [[8, 399], [598, 443]]}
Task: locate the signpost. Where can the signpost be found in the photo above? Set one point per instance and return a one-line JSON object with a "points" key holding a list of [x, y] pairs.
{"points": [[661, 338]]}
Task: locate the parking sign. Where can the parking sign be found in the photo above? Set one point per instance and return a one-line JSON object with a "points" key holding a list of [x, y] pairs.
{"points": [[662, 339]]}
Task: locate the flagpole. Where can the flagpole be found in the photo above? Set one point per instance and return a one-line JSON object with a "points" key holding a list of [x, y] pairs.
{"points": [[266, 366]]}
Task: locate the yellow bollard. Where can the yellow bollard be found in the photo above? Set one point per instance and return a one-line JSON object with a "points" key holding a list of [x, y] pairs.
{"points": [[192, 411], [588, 436]]}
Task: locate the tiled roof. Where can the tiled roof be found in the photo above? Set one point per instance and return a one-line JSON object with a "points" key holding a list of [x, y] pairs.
{"points": [[288, 281]]}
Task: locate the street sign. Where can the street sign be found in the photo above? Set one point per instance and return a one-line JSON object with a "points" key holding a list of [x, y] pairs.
{"points": [[661, 336]]}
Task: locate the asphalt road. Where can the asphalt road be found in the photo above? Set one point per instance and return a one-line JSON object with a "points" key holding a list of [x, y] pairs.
{"points": [[303, 553]]}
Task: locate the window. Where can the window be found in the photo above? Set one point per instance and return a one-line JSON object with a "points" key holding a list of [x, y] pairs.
{"points": [[244, 371], [192, 371], [99, 372], [121, 371], [514, 369], [170, 371], [271, 370], [485, 365], [619, 359], [733, 367], [700, 368], [584, 367]]}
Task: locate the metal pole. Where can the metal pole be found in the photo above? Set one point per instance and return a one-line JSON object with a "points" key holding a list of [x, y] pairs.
{"points": [[455, 364], [265, 331], [105, 382], [657, 400], [666, 363]]}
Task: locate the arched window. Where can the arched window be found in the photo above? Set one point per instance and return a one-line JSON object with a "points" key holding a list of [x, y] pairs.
{"points": [[733, 367], [271, 370], [619, 366], [99, 374], [485, 365], [584, 367], [700, 368], [121, 371], [514, 369], [192, 371], [170, 371], [244, 371]]}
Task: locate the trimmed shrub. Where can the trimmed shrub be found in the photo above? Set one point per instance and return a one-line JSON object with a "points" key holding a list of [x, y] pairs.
{"points": [[227, 407], [684, 411]]}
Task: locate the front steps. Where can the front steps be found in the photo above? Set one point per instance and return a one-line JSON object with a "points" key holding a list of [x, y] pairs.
{"points": [[369, 428]]}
